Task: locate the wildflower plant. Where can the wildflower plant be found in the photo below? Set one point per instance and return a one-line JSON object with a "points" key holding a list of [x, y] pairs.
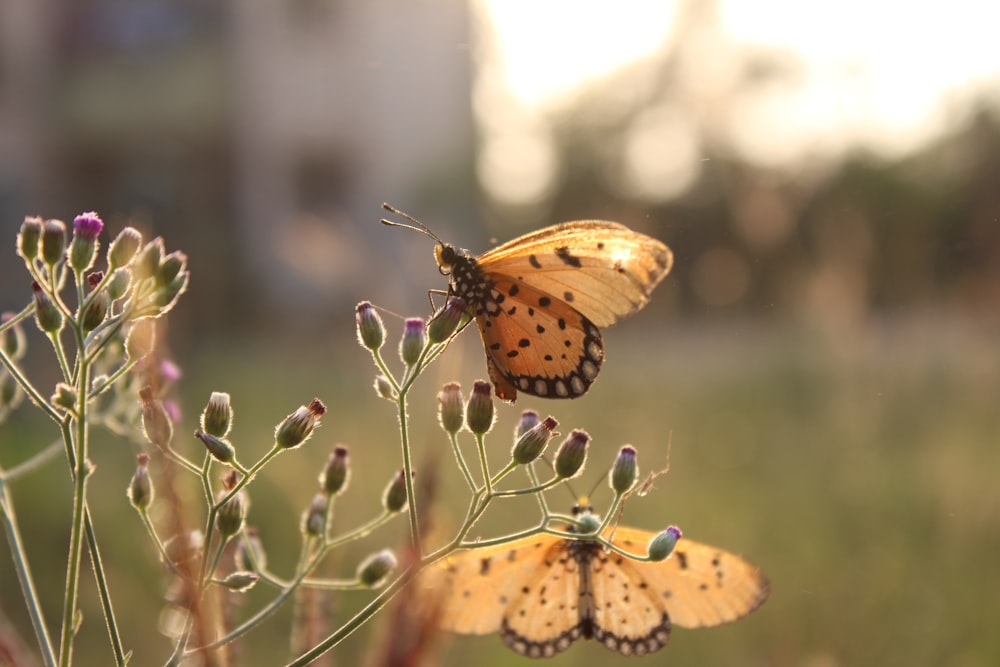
{"points": [[98, 313]]}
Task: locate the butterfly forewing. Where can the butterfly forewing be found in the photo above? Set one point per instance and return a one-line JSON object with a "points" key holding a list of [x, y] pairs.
{"points": [[537, 344], [697, 586], [603, 270]]}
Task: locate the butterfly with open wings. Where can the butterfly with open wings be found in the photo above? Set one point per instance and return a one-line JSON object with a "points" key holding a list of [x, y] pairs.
{"points": [[541, 593], [541, 299]]}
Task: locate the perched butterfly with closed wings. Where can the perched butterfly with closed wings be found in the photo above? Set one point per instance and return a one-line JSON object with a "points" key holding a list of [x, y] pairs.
{"points": [[543, 592], [540, 299]]}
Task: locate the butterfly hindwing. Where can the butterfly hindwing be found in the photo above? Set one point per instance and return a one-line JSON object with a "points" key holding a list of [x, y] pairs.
{"points": [[473, 592], [604, 270], [537, 344]]}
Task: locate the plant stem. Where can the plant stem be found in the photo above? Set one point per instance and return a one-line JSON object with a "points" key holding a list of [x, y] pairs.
{"points": [[24, 578]]}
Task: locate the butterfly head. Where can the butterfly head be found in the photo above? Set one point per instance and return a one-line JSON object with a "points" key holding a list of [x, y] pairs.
{"points": [[584, 512], [446, 255]]}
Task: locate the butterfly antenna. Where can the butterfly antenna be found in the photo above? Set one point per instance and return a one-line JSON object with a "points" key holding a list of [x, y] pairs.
{"points": [[417, 226]]}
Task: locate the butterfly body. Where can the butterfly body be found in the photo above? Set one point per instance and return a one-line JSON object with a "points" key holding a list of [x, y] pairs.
{"points": [[540, 299], [542, 593]]}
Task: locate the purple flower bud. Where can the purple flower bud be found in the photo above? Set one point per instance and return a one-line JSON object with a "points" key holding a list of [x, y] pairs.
{"points": [[298, 426], [140, 489], [29, 237], [529, 420], [371, 331], [83, 249], [373, 570], [414, 339], [231, 515], [123, 248], [217, 417], [451, 408], [12, 339], [479, 413], [156, 424], [394, 496], [444, 323], [625, 471], [88, 225], [337, 473], [53, 241], [220, 448], [47, 316], [314, 520], [572, 454], [531, 445], [663, 543]]}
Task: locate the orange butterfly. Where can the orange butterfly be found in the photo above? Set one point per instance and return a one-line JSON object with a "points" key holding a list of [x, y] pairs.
{"points": [[539, 299], [542, 593]]}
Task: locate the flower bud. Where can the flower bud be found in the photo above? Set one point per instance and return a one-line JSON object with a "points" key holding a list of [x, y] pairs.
{"points": [[373, 570], [53, 241], [220, 448], [371, 331], [337, 473], [148, 261], [444, 323], [663, 543], [140, 489], [10, 393], [383, 388], [572, 454], [123, 248], [298, 426], [394, 496], [625, 471], [83, 249], [170, 267], [97, 310], [231, 515], [28, 238], [118, 283], [217, 417], [12, 339], [240, 582], [141, 339], [531, 445], [65, 396], [156, 422], [314, 520], [529, 420], [451, 408], [165, 297], [250, 554], [47, 315], [414, 339], [479, 413]]}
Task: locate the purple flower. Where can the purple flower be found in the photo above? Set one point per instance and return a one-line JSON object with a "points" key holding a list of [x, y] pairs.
{"points": [[88, 225]]}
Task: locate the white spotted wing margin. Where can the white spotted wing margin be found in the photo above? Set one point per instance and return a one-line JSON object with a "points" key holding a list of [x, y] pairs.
{"points": [[542, 593]]}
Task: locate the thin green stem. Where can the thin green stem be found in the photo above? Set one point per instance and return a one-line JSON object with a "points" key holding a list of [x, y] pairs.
{"points": [[542, 503], [404, 436], [104, 592], [28, 388], [481, 445], [61, 356], [463, 466], [77, 527], [24, 577]]}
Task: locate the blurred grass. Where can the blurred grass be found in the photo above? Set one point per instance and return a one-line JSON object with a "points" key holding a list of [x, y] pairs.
{"points": [[858, 471]]}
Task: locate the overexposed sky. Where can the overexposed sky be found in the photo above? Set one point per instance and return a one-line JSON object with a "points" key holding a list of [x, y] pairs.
{"points": [[888, 73]]}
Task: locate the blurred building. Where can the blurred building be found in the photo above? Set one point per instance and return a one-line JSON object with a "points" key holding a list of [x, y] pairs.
{"points": [[259, 137]]}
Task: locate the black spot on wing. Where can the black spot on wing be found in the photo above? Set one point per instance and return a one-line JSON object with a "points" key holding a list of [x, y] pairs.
{"points": [[567, 257]]}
